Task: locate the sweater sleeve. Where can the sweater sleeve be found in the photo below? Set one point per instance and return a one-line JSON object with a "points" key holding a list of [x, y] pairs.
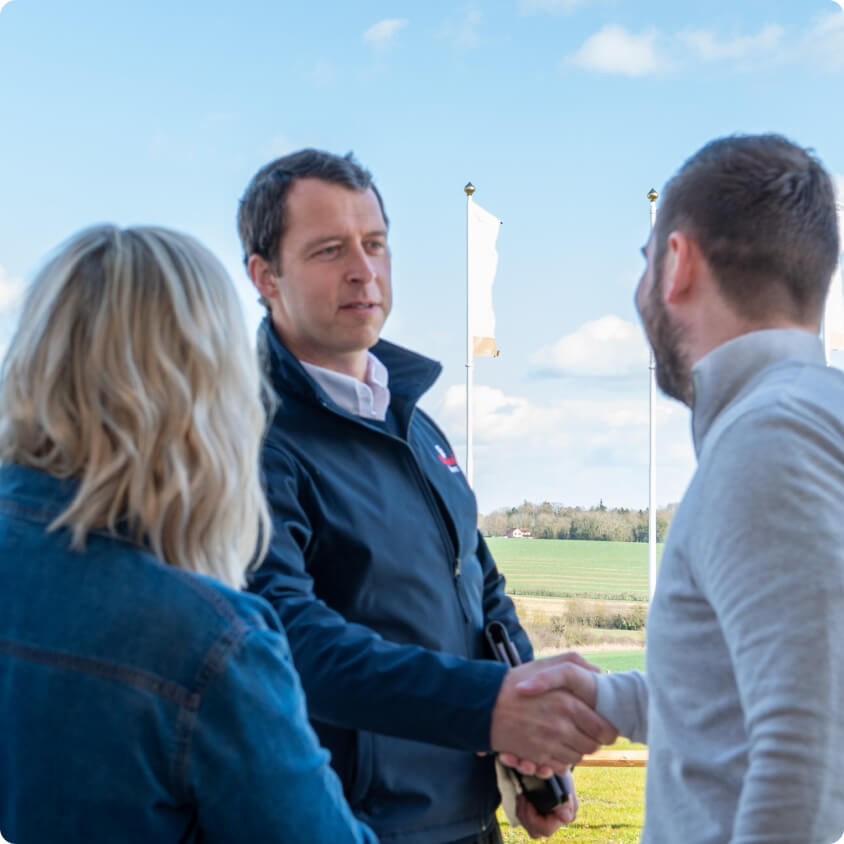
{"points": [[772, 568], [353, 677], [623, 701]]}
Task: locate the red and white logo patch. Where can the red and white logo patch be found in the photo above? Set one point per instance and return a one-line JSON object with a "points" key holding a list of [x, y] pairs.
{"points": [[447, 459]]}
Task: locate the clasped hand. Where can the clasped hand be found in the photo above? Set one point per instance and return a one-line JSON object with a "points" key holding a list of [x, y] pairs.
{"points": [[544, 718]]}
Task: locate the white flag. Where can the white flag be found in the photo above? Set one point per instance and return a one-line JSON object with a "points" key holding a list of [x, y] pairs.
{"points": [[482, 264], [833, 317]]}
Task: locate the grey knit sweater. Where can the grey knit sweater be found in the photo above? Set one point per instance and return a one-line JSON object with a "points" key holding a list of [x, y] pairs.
{"points": [[742, 706]]}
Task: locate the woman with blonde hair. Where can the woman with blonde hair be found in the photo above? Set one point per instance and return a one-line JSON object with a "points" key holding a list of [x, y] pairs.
{"points": [[143, 698]]}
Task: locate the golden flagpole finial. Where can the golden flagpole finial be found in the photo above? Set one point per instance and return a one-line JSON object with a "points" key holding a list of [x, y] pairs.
{"points": [[653, 196], [470, 189]]}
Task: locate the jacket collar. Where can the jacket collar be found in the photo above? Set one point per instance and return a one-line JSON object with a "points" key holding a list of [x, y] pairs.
{"points": [[411, 374], [42, 497]]}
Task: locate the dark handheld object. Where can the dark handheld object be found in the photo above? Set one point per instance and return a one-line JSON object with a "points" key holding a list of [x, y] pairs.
{"points": [[544, 795]]}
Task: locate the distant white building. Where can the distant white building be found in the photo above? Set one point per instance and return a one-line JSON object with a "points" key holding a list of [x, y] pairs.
{"points": [[518, 533]]}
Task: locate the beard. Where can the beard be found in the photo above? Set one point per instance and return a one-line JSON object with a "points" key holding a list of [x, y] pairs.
{"points": [[673, 372]]}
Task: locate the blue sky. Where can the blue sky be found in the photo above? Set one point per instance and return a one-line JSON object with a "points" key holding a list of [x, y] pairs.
{"points": [[563, 113]]}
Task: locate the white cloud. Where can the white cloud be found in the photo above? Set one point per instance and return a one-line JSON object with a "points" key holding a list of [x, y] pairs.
{"points": [[615, 50], [280, 144], [463, 31], [710, 47], [527, 7], [823, 44], [10, 291], [322, 73], [4, 3], [381, 34], [606, 346], [573, 450], [499, 417]]}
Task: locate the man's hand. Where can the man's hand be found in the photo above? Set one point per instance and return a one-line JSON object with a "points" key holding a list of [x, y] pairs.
{"points": [[544, 713], [537, 825], [525, 766]]}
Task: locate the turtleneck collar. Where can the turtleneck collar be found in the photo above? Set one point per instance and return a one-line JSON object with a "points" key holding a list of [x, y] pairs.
{"points": [[722, 375]]}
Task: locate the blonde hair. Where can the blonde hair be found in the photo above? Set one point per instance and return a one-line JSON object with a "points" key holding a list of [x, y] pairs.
{"points": [[131, 372]]}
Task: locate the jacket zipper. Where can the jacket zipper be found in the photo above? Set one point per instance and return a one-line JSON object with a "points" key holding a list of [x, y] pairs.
{"points": [[426, 491]]}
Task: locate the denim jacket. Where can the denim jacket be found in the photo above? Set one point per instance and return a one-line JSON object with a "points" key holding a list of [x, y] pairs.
{"points": [[140, 703]]}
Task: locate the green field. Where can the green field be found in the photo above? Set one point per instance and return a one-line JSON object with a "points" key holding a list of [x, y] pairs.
{"points": [[611, 799], [569, 567], [612, 808], [617, 660]]}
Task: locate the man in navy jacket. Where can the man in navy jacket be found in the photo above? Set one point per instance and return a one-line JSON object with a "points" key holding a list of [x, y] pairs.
{"points": [[376, 567]]}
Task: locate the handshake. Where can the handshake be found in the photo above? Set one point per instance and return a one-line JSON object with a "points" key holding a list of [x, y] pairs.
{"points": [[544, 717]]}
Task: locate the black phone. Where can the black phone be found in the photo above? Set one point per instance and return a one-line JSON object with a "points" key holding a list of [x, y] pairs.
{"points": [[544, 795]]}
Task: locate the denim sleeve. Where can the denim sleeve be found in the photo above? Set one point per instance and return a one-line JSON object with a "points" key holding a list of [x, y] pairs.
{"points": [[354, 678], [497, 605], [255, 766]]}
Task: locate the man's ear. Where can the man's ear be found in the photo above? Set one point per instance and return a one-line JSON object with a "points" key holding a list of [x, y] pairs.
{"points": [[262, 275], [681, 268]]}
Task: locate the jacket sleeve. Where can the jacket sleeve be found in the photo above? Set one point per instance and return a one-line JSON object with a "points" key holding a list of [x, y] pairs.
{"points": [[497, 605], [352, 677], [255, 769]]}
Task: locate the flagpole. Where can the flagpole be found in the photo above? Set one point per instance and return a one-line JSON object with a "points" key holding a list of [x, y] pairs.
{"points": [[652, 198], [470, 468]]}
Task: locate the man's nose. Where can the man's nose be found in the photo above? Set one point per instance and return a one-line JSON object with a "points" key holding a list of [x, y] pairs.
{"points": [[361, 267]]}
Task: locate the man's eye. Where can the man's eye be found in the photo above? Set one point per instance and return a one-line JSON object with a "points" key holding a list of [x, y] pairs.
{"points": [[377, 246], [328, 251]]}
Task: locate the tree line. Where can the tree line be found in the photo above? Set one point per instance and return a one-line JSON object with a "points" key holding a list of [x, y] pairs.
{"points": [[556, 521]]}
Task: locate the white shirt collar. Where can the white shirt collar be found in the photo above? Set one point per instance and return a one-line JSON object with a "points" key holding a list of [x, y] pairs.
{"points": [[368, 399]]}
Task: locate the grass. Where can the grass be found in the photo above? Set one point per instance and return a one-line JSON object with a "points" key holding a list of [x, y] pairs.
{"points": [[612, 800], [612, 807], [572, 567], [558, 624], [617, 660]]}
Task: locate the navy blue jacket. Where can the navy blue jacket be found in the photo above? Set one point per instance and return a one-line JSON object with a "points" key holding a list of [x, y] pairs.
{"points": [[384, 585], [140, 703]]}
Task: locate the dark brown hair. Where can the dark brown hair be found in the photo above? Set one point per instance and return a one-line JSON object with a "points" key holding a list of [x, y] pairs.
{"points": [[762, 211], [261, 214]]}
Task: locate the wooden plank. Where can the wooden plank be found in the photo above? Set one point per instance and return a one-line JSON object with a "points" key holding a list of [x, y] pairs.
{"points": [[615, 759]]}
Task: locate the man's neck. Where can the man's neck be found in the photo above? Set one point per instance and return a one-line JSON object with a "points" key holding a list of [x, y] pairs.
{"points": [[352, 364], [719, 323]]}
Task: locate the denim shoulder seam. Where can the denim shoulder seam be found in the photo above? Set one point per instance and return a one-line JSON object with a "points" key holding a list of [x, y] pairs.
{"points": [[146, 680], [46, 516], [30, 513], [215, 659]]}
